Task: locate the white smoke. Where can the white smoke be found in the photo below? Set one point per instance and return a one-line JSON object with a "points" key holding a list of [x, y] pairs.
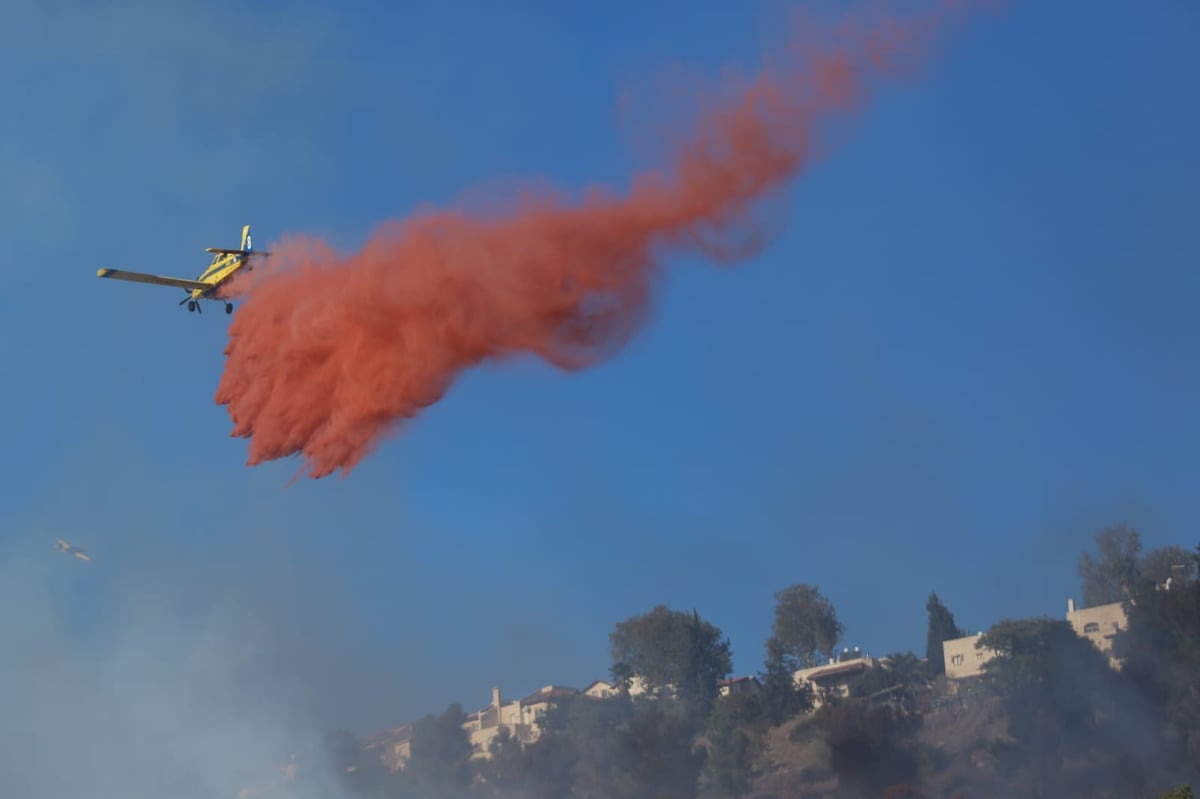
{"points": [[147, 697]]}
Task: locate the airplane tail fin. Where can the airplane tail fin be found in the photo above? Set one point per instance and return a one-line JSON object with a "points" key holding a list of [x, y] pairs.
{"points": [[245, 249]]}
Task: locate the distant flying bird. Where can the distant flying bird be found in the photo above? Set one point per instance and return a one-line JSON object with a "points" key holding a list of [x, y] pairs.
{"points": [[63, 546]]}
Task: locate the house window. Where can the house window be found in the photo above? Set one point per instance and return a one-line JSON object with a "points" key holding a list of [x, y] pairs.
{"points": [[957, 660], [1091, 627]]}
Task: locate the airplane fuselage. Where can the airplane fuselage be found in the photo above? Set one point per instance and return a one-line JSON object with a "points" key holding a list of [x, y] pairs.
{"points": [[222, 268]]}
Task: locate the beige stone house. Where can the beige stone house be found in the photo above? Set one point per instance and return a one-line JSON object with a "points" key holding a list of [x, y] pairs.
{"points": [[601, 689], [523, 718], [1099, 624], [484, 725], [963, 659], [834, 678], [535, 706]]}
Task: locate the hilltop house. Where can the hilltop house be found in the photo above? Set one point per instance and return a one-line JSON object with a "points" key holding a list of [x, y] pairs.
{"points": [[1099, 624], [523, 718], [739, 685], [484, 725], [393, 747], [963, 659], [535, 706], [601, 689], [833, 678]]}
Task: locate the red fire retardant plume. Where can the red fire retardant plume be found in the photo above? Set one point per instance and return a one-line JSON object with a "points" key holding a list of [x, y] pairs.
{"points": [[329, 354]]}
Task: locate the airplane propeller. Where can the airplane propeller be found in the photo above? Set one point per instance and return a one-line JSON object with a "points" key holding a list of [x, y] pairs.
{"points": [[196, 306]]}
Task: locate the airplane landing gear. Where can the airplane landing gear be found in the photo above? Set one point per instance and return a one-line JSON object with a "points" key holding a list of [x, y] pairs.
{"points": [[194, 304], [229, 307]]}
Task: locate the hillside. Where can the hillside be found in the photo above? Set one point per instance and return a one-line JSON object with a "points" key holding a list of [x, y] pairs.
{"points": [[1103, 704]]}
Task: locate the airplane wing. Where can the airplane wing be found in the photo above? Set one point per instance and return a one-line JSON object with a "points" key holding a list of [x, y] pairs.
{"points": [[235, 252], [141, 277], [81, 555]]}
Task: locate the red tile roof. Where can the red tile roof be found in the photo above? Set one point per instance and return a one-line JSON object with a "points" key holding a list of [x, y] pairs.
{"points": [[548, 693], [392, 736], [733, 680]]}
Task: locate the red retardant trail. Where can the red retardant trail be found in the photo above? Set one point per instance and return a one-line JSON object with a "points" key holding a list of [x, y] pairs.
{"points": [[327, 354]]}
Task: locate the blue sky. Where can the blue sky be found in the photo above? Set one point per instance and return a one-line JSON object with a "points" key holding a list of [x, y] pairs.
{"points": [[970, 346]]}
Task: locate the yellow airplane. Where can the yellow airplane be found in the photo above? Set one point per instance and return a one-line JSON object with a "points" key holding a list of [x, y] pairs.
{"points": [[225, 264], [63, 546]]}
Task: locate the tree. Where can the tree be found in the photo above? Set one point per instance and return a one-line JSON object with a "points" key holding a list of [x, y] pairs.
{"points": [[548, 767], [656, 757], [806, 624], [899, 670], [1182, 792], [614, 749], [1169, 562], [941, 628], [1062, 699], [359, 772], [870, 748], [341, 747], [1161, 653], [673, 650], [782, 698], [1110, 577], [581, 748], [441, 752], [506, 766], [735, 738]]}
